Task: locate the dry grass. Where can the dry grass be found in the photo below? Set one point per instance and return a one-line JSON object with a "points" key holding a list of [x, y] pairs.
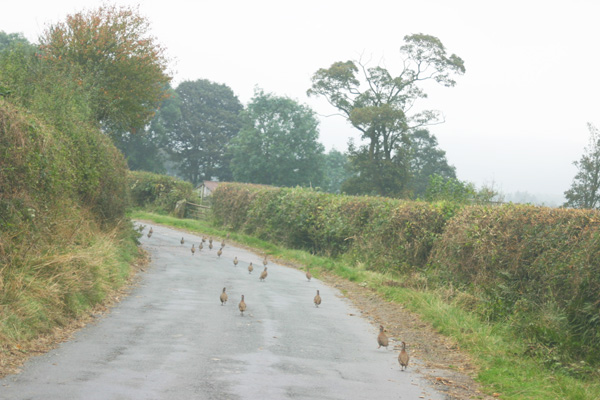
{"points": [[50, 287]]}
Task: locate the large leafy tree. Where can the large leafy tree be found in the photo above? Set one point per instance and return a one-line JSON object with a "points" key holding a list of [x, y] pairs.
{"points": [[585, 189], [10, 39], [426, 159], [381, 106], [14, 46], [337, 170], [115, 59], [278, 144], [197, 126]]}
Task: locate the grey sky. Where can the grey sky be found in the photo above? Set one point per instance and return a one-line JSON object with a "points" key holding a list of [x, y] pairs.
{"points": [[517, 118]]}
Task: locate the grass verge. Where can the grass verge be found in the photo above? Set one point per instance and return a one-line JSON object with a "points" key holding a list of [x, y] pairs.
{"points": [[502, 360], [48, 293]]}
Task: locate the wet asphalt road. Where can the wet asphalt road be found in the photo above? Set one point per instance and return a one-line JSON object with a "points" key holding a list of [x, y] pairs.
{"points": [[172, 339]]}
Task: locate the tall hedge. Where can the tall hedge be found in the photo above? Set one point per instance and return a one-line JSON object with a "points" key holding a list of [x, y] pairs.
{"points": [[537, 267], [42, 168], [159, 193], [385, 233], [63, 198]]}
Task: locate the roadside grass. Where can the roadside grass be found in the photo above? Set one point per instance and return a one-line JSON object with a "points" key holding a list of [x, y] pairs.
{"points": [[49, 287], [504, 366]]}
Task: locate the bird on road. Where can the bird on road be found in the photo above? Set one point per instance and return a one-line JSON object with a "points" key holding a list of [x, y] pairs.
{"points": [[149, 234], [200, 247], [141, 228], [263, 275], [403, 357], [210, 245], [382, 339], [235, 261], [220, 252], [242, 306], [193, 249], [210, 240], [223, 243], [151, 230], [265, 260], [223, 297], [182, 241], [250, 268], [317, 299], [203, 239], [308, 274]]}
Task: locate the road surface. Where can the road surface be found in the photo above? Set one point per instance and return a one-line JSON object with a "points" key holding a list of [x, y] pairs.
{"points": [[172, 339]]}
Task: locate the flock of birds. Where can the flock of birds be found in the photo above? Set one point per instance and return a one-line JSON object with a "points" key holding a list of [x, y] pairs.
{"points": [[382, 338]]}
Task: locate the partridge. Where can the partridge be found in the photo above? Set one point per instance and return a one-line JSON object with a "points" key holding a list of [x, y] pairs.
{"points": [[242, 306], [193, 249], [263, 275], [382, 339], [182, 241], [250, 268], [308, 274], [317, 299], [220, 252], [403, 357], [235, 261], [223, 297]]}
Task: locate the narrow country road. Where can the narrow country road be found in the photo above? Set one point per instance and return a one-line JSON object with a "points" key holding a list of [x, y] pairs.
{"points": [[172, 339]]}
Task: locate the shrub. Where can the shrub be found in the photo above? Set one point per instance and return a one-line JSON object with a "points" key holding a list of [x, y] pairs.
{"points": [[366, 227], [524, 262], [159, 193]]}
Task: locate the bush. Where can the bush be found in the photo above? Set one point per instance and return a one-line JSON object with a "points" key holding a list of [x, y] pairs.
{"points": [[366, 227], [62, 200], [536, 267], [158, 193]]}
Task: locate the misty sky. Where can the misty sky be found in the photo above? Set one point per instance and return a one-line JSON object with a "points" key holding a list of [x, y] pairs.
{"points": [[516, 119]]}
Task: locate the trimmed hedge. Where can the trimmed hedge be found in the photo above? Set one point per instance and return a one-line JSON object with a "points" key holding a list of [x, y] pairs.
{"points": [[385, 233], [535, 268], [158, 193]]}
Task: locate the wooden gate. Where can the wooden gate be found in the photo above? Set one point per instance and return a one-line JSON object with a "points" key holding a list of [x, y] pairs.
{"points": [[196, 211]]}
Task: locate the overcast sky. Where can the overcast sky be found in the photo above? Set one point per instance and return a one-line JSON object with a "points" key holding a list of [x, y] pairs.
{"points": [[517, 118]]}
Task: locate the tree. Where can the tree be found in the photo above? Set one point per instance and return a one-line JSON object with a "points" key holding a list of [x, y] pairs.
{"points": [[426, 160], [452, 189], [16, 54], [381, 106], [198, 124], [278, 143], [142, 152], [336, 170], [585, 189], [10, 39], [115, 59]]}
